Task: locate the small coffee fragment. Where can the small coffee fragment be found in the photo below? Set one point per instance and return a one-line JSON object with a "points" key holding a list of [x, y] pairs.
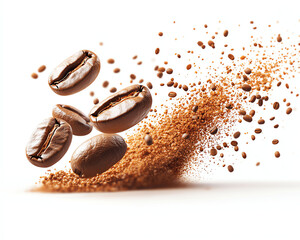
{"points": [[213, 152], [277, 154], [149, 85], [247, 118], [279, 38], [172, 94], [117, 70], [132, 77], [92, 93], [253, 137], [160, 34], [248, 71], [234, 143], [252, 99], [169, 71], [236, 134], [225, 33], [242, 112], [276, 125], [113, 89], [252, 113], [230, 168], [111, 61], [189, 66], [105, 84], [185, 136], [272, 118], [185, 87], [96, 101], [148, 139], [230, 56], [42, 68], [195, 108], [244, 155], [157, 50]]}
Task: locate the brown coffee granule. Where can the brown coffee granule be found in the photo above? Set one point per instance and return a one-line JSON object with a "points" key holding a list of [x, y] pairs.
{"points": [[279, 38], [277, 154], [272, 118], [161, 69], [34, 75], [157, 50], [110, 61], [141, 80], [253, 137], [200, 43], [289, 110], [276, 105], [236, 134], [242, 112], [189, 66], [213, 152], [170, 83], [113, 89], [172, 94], [169, 71], [92, 93], [96, 101], [252, 99], [275, 141], [42, 68], [230, 56], [225, 33], [105, 84], [230, 168], [247, 118], [132, 76], [246, 87], [248, 71], [258, 130], [236, 148], [148, 139], [276, 125], [213, 130], [160, 34], [185, 136], [101, 43], [160, 74], [244, 155], [257, 164], [234, 143], [252, 113], [117, 70], [134, 57], [185, 87], [149, 85], [260, 102]]}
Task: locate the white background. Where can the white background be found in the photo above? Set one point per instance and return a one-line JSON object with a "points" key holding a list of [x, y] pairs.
{"points": [[250, 203]]}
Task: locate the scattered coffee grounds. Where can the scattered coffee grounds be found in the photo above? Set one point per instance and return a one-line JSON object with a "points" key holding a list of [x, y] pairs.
{"points": [[34, 75], [230, 168], [42, 68], [96, 101], [111, 61], [113, 89], [185, 131], [117, 70], [105, 84]]}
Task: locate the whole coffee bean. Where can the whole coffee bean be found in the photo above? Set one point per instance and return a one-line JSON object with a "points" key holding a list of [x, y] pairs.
{"points": [[75, 73], [122, 110], [49, 142], [79, 123], [148, 139], [98, 154]]}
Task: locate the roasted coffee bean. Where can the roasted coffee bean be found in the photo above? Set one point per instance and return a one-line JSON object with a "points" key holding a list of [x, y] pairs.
{"points": [[49, 142], [98, 154], [75, 73], [276, 105], [289, 110], [213, 130], [230, 168], [252, 99], [79, 123], [242, 112], [247, 118], [246, 87], [252, 113], [258, 130], [122, 110], [185, 136], [236, 134], [148, 139]]}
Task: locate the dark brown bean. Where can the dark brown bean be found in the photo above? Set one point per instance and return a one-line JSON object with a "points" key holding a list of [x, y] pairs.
{"points": [[79, 123], [248, 71], [289, 110], [230, 168], [113, 89], [261, 121], [172, 94], [236, 134], [257, 130], [122, 110], [213, 152], [276, 105], [75, 73], [244, 155], [213, 130], [42, 68], [148, 139], [246, 87], [149, 85], [247, 118], [98, 154], [242, 112], [105, 84], [49, 142], [185, 136], [275, 141], [252, 113], [277, 154]]}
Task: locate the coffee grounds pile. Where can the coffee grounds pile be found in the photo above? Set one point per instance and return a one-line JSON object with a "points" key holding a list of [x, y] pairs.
{"points": [[196, 126]]}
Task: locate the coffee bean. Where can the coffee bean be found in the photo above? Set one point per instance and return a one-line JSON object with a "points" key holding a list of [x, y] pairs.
{"points": [[172, 94], [157, 51], [195, 109], [248, 71], [122, 110], [213, 87], [185, 136], [185, 87], [98, 154], [225, 33], [219, 147], [272, 118], [236, 148], [96, 101], [213, 130], [247, 118], [246, 87], [245, 78], [213, 152], [277, 154], [149, 85], [260, 102], [234, 143], [117, 70], [75, 73], [160, 34], [229, 106], [252, 113], [132, 76], [242, 112], [289, 110], [275, 141], [169, 71], [261, 121], [276, 125], [79, 123], [170, 83], [230, 56], [236, 134], [189, 66], [92, 93], [258, 130], [258, 96], [244, 155], [279, 38], [110, 61], [49, 142], [34, 75], [148, 139], [113, 89], [230, 168], [276, 105], [253, 137], [252, 99], [105, 84], [42, 68]]}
